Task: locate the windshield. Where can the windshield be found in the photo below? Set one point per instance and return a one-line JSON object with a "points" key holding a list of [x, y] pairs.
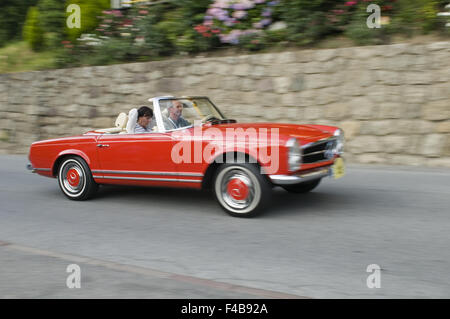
{"points": [[184, 112]]}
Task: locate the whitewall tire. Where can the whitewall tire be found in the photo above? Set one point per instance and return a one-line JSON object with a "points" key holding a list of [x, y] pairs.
{"points": [[75, 179], [241, 189]]}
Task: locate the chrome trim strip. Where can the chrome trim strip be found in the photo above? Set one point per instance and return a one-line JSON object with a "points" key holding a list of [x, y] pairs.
{"points": [[150, 179], [315, 153], [323, 140], [42, 169], [322, 161], [300, 178], [148, 173]]}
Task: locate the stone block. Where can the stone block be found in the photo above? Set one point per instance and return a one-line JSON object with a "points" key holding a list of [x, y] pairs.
{"points": [[364, 144], [436, 110], [337, 111], [396, 144], [443, 127], [316, 81], [362, 108], [389, 77], [390, 110], [372, 158], [351, 128], [282, 84], [380, 128], [313, 113], [433, 145]]}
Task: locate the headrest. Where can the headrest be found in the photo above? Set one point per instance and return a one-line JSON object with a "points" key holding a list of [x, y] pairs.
{"points": [[121, 121], [132, 120]]}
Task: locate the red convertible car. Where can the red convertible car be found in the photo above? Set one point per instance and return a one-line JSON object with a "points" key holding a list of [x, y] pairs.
{"points": [[189, 143]]}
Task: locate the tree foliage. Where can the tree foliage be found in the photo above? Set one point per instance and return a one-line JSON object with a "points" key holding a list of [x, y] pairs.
{"points": [[32, 31], [52, 14], [12, 18], [90, 12]]}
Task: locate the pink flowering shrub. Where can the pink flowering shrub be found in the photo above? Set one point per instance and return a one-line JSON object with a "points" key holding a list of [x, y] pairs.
{"points": [[233, 20], [343, 11], [112, 23], [189, 26]]}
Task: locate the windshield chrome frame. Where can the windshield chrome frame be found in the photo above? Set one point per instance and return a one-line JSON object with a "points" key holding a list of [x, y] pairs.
{"points": [[158, 115]]}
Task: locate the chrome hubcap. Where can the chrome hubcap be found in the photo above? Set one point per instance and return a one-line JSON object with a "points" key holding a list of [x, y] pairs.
{"points": [[73, 177], [237, 189]]}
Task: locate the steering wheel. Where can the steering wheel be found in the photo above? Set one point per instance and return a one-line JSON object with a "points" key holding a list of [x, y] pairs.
{"points": [[208, 118]]}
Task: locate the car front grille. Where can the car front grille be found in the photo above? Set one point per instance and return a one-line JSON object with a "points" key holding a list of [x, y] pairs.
{"points": [[319, 151]]}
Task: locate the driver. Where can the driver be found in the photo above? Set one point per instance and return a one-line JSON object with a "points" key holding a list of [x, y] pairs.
{"points": [[175, 119]]}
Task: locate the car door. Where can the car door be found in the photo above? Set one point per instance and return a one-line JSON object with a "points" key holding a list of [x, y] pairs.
{"points": [[139, 159]]}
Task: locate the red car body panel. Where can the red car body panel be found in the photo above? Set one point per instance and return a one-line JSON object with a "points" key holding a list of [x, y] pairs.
{"points": [[135, 155], [44, 154]]}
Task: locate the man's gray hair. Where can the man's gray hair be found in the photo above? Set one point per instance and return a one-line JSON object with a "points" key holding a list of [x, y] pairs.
{"points": [[166, 103]]}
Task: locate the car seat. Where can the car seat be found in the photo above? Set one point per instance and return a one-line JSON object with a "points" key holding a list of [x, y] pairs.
{"points": [[119, 125]]}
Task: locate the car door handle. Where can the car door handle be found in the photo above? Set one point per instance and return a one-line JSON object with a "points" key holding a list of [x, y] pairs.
{"points": [[102, 145]]}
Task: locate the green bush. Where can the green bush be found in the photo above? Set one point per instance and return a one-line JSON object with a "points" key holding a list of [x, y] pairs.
{"points": [[252, 42], [192, 42], [32, 32], [12, 18], [416, 16], [90, 11], [156, 42], [52, 20], [276, 36], [358, 31], [112, 51], [172, 25], [152, 31], [178, 25], [307, 20]]}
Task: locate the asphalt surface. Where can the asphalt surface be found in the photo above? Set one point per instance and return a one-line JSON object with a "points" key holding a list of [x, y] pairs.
{"points": [[165, 243]]}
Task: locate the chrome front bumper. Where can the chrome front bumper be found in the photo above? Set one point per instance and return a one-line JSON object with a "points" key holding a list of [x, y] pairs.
{"points": [[301, 177]]}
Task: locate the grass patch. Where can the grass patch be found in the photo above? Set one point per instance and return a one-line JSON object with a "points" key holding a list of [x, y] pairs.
{"points": [[18, 57]]}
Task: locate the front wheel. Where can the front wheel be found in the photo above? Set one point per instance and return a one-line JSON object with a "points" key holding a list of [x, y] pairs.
{"points": [[241, 190], [302, 187], [75, 179]]}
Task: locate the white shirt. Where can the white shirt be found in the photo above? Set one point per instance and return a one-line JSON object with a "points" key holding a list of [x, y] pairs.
{"points": [[139, 129]]}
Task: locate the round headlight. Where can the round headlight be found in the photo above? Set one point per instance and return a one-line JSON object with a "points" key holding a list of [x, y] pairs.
{"points": [[340, 140], [294, 154]]}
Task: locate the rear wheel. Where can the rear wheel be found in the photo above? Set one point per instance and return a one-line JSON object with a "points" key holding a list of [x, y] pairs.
{"points": [[241, 190], [302, 187], [75, 179]]}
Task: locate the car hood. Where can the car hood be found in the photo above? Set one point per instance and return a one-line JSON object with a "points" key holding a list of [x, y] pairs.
{"points": [[304, 133]]}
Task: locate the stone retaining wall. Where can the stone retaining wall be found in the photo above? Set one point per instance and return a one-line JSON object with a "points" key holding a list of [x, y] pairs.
{"points": [[393, 101]]}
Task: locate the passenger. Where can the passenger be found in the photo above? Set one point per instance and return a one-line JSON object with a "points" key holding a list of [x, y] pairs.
{"points": [[175, 119], [145, 116]]}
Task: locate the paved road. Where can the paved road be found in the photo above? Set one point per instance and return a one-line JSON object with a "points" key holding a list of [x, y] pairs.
{"points": [[158, 243]]}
